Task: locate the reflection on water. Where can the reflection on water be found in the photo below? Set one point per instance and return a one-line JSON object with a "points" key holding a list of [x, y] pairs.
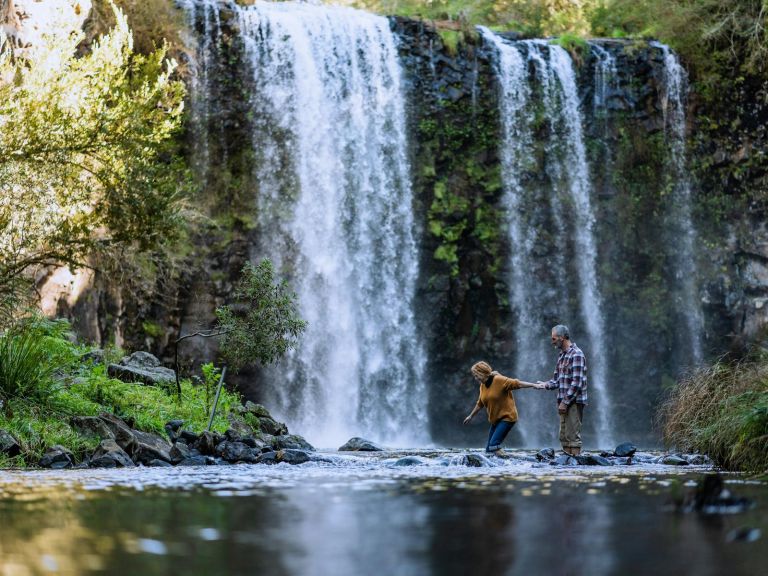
{"points": [[363, 515]]}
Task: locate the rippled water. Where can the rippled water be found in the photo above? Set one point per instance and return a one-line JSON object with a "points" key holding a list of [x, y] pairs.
{"points": [[365, 514]]}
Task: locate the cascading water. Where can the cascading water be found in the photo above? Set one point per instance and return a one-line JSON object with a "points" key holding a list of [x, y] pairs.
{"points": [[540, 288], [338, 216], [673, 100]]}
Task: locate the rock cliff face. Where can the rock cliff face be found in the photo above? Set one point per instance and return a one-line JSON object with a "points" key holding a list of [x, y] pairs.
{"points": [[465, 297]]}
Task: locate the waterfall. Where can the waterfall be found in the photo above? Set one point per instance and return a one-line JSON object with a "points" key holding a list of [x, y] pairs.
{"points": [[680, 221], [335, 207], [558, 213]]}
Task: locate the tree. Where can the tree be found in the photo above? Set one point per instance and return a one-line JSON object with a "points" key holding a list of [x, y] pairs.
{"points": [[87, 156], [261, 327]]}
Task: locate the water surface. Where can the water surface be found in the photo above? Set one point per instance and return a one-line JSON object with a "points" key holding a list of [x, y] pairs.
{"points": [[364, 514]]}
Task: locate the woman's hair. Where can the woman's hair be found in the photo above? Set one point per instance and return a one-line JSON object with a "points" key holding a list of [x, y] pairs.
{"points": [[481, 370]]}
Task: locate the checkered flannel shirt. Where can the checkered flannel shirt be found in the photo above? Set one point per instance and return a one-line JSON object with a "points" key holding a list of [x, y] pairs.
{"points": [[570, 376]]}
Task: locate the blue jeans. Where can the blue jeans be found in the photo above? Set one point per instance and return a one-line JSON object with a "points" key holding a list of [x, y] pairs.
{"points": [[497, 433]]}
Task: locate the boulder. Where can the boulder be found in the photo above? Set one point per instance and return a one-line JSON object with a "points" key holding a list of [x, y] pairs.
{"points": [[141, 367], [360, 445], [625, 449], [188, 436], [173, 429], [290, 456], [267, 458], [592, 460], [159, 464], [237, 428], [292, 441], [674, 460], [8, 444], [273, 427], [91, 426], [94, 357], [564, 460], [57, 457], [235, 452], [545, 454], [180, 451], [110, 455], [207, 441], [122, 433], [473, 461], [410, 461], [150, 446]]}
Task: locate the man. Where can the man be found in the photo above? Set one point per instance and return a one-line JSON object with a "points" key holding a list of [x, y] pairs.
{"points": [[570, 380]]}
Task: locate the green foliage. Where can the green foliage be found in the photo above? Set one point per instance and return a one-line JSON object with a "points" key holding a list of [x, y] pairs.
{"points": [[722, 411], [265, 324], [211, 377], [87, 159], [29, 355]]}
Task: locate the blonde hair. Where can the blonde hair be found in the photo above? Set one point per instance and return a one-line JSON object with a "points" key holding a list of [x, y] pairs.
{"points": [[481, 370]]}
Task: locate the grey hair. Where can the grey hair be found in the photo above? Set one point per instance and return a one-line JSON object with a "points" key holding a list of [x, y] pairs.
{"points": [[562, 331]]}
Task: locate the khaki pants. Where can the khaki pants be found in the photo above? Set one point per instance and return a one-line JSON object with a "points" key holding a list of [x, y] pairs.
{"points": [[570, 426]]}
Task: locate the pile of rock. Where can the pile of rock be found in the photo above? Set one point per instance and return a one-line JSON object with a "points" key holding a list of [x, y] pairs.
{"points": [[624, 454], [122, 446]]}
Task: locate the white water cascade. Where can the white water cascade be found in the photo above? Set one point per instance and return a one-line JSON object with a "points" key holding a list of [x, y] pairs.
{"points": [[337, 212], [673, 100], [540, 287]]}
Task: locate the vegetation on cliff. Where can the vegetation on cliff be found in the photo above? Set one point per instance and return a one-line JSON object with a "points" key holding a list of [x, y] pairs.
{"points": [[88, 161], [722, 411]]}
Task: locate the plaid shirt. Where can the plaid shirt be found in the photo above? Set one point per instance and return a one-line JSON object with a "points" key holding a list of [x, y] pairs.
{"points": [[570, 376]]}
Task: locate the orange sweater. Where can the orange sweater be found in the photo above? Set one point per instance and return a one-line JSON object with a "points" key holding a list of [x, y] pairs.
{"points": [[498, 400]]}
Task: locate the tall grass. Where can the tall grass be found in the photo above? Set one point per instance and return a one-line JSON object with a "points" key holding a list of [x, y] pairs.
{"points": [[722, 411]]}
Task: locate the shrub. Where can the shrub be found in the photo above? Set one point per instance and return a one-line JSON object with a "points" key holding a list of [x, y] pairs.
{"points": [[721, 410]]}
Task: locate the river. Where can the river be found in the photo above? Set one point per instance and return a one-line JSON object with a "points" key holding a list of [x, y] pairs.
{"points": [[370, 513]]}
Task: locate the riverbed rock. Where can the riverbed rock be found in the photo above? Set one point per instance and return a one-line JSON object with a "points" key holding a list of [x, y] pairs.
{"points": [[592, 460], [207, 442], [235, 452], [697, 459], [8, 444], [473, 461], [173, 428], [357, 444], [267, 458], [180, 451], [141, 367], [197, 461], [110, 455], [159, 464], [291, 456], [123, 434], [150, 446], [238, 428], [625, 449], [188, 436], [545, 455], [564, 460], [409, 461], [674, 460], [292, 441], [91, 426], [57, 457]]}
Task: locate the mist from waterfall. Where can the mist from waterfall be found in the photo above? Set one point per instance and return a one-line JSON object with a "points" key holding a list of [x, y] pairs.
{"points": [[533, 74]]}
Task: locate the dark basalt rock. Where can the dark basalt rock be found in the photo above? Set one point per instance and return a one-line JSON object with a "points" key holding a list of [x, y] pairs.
{"points": [[592, 460], [57, 457], [141, 367], [256, 409], [545, 454], [410, 461], [291, 456], [8, 444], [235, 452], [179, 452], [159, 464], [123, 434], [173, 428], [189, 437], [357, 444], [110, 455], [150, 446], [625, 449], [674, 460], [271, 426], [473, 461], [92, 426], [564, 460], [267, 458], [207, 443], [292, 441]]}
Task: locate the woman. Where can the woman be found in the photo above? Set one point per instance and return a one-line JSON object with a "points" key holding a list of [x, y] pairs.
{"points": [[496, 397]]}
